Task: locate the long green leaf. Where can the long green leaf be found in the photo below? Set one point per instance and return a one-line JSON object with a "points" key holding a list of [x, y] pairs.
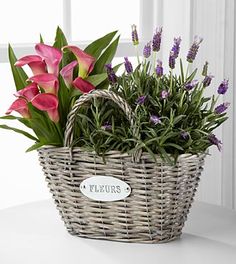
{"points": [[19, 74], [20, 119], [35, 146], [19, 131], [41, 39], [97, 78], [60, 39], [106, 57], [60, 42], [96, 47]]}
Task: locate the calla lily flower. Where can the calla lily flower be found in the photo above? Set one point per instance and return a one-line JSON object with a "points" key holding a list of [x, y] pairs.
{"points": [[83, 85], [49, 103], [51, 55], [35, 62], [86, 61], [29, 92], [67, 73], [19, 105], [47, 81]]}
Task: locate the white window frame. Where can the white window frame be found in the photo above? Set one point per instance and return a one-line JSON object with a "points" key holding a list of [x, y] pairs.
{"points": [[146, 17]]}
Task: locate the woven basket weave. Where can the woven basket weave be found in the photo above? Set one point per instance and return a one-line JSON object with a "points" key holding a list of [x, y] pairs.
{"points": [[159, 202]]}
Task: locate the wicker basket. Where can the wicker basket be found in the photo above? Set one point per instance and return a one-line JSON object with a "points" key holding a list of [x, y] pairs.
{"points": [[159, 202]]}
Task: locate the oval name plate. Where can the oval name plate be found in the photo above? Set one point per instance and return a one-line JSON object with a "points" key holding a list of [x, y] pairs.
{"points": [[105, 188]]}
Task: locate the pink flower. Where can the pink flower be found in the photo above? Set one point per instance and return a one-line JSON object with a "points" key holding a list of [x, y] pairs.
{"points": [[83, 85], [67, 73], [29, 92], [51, 55], [35, 62], [86, 61], [47, 81], [49, 103], [19, 105]]}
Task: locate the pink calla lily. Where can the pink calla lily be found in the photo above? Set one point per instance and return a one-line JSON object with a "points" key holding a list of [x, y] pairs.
{"points": [[19, 105], [49, 103], [47, 81], [67, 73], [35, 62], [86, 61], [51, 55], [29, 92], [83, 85]]}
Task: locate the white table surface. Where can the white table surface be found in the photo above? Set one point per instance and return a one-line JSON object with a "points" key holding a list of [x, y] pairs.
{"points": [[34, 234]]}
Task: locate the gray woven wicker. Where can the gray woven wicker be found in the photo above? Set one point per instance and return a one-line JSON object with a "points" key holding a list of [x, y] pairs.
{"points": [[159, 202]]}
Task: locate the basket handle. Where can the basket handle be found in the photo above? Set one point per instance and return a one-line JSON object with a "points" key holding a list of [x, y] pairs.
{"points": [[69, 131]]}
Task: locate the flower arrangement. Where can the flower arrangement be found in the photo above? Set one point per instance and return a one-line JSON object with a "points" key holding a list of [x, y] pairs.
{"points": [[171, 113]]}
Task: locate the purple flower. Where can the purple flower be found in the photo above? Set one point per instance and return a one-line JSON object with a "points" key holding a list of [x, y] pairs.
{"points": [[155, 119], [184, 135], [194, 49], [221, 108], [223, 87], [176, 47], [159, 68], [147, 50], [172, 60], [207, 80], [190, 85], [107, 126], [135, 35], [215, 141], [111, 74], [156, 41], [164, 94], [141, 100], [128, 65]]}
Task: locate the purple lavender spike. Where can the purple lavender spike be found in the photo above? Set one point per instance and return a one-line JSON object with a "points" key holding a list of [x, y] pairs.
{"points": [[156, 41], [128, 65], [159, 68], [155, 119], [194, 49], [215, 141], [221, 108], [111, 74], [147, 50], [207, 80], [135, 35], [222, 89], [141, 100]]}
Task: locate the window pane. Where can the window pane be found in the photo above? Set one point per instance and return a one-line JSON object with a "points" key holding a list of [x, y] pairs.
{"points": [[22, 21], [92, 19]]}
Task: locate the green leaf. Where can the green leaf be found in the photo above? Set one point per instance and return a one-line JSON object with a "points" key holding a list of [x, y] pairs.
{"points": [[181, 71], [41, 39], [64, 101], [60, 39], [96, 79], [35, 146], [174, 146], [60, 42], [96, 47], [106, 57], [19, 74], [20, 119], [19, 131]]}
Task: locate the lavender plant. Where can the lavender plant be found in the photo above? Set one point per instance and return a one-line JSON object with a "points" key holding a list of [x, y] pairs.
{"points": [[172, 114]]}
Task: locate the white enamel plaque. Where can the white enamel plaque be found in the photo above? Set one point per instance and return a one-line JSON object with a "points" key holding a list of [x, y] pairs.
{"points": [[104, 188]]}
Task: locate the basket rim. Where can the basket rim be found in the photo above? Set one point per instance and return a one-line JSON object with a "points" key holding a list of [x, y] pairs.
{"points": [[119, 153]]}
